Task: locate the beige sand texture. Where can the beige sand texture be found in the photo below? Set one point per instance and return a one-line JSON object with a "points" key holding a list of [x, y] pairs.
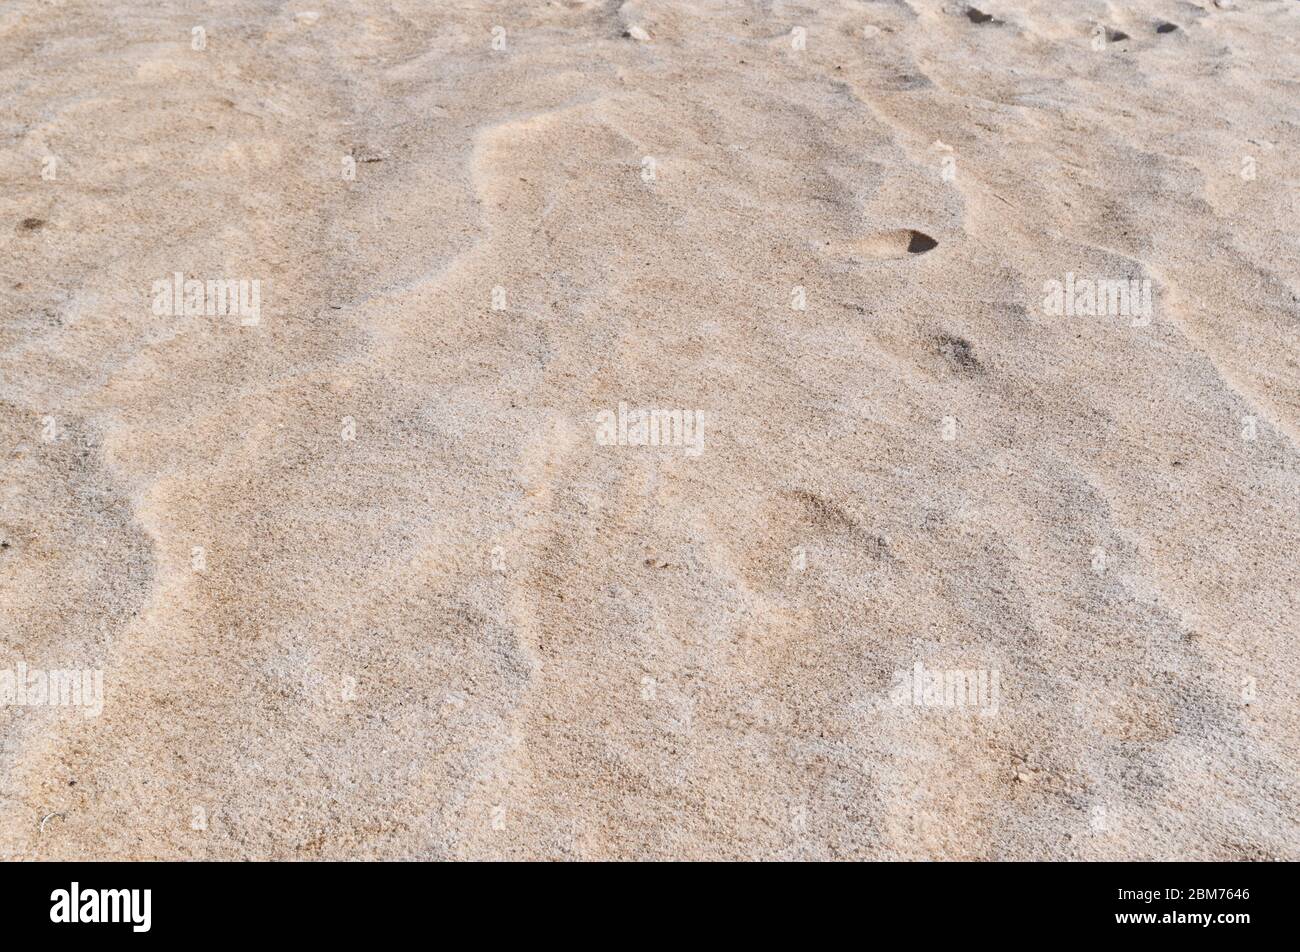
{"points": [[363, 579]]}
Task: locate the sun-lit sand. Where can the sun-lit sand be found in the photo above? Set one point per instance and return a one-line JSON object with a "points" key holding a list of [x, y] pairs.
{"points": [[951, 547]]}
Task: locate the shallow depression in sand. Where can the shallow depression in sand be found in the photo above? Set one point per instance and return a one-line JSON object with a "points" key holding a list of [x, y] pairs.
{"points": [[895, 243]]}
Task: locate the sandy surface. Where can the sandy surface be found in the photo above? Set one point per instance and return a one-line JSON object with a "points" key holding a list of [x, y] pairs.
{"points": [[371, 573]]}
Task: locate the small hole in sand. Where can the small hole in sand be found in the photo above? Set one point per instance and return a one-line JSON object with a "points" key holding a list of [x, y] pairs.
{"points": [[978, 16], [31, 224], [919, 243], [896, 243], [1166, 27]]}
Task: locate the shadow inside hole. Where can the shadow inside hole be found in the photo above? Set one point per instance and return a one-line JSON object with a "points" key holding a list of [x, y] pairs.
{"points": [[918, 243]]}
